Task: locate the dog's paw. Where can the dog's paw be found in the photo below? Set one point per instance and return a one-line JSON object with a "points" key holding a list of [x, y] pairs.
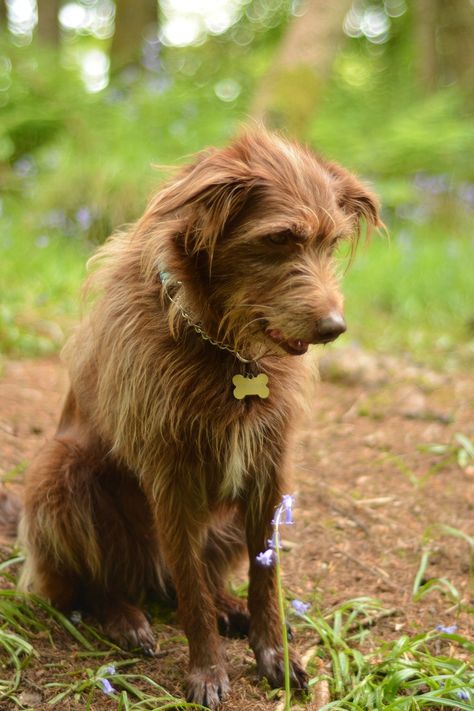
{"points": [[129, 628], [233, 617], [208, 687], [270, 664], [234, 624]]}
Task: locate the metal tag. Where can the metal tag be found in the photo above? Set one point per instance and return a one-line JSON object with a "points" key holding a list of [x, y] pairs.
{"points": [[245, 386]]}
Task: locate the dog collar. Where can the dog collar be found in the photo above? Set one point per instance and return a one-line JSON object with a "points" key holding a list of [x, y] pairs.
{"points": [[244, 385]]}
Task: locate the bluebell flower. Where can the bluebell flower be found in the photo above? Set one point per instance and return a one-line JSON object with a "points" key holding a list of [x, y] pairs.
{"points": [[84, 217], [107, 687], [23, 167], [287, 505], [286, 508], [265, 558], [450, 629], [55, 219], [272, 542], [466, 193], [463, 695], [110, 669], [300, 607]]}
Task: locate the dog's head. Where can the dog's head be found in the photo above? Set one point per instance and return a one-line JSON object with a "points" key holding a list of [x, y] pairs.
{"points": [[252, 234]]}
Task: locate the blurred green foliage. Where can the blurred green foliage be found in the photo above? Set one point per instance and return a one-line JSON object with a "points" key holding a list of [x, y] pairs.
{"points": [[74, 165], [384, 131]]}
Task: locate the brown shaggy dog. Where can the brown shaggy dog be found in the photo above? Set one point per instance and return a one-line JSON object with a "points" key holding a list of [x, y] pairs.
{"points": [[162, 474]]}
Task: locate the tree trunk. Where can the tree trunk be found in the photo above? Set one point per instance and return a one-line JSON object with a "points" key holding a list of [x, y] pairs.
{"points": [[3, 16], [133, 21], [48, 23], [456, 43], [426, 25], [289, 92], [445, 43]]}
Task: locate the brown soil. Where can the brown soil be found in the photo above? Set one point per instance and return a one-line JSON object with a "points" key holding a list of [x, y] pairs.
{"points": [[370, 496]]}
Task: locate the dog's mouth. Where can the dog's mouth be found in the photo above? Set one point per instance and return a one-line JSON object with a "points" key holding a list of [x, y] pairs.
{"points": [[292, 346]]}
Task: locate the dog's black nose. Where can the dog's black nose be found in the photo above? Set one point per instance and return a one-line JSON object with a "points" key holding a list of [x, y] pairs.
{"points": [[331, 326]]}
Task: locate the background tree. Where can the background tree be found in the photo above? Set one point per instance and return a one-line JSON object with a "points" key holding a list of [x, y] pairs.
{"points": [[3, 15], [133, 21], [48, 23], [425, 33], [445, 41], [289, 92]]}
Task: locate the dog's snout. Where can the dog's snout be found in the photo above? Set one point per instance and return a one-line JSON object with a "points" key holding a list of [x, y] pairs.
{"points": [[331, 326]]}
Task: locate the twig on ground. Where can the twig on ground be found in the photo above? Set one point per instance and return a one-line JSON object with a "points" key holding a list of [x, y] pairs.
{"points": [[321, 694], [372, 569]]}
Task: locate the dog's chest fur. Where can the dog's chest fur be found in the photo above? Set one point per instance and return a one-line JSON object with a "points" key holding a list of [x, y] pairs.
{"points": [[247, 442], [256, 439], [178, 413]]}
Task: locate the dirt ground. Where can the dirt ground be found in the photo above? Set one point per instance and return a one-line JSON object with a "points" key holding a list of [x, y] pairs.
{"points": [[370, 496]]}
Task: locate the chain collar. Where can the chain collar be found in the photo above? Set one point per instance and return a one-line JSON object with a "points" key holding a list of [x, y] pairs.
{"points": [[165, 277]]}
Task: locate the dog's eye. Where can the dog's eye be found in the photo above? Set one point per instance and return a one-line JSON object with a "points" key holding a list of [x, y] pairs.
{"points": [[280, 238]]}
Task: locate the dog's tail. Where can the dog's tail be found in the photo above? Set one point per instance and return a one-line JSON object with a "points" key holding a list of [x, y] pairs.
{"points": [[10, 511]]}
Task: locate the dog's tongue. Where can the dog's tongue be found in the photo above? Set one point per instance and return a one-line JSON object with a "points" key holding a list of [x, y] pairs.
{"points": [[292, 346], [301, 346]]}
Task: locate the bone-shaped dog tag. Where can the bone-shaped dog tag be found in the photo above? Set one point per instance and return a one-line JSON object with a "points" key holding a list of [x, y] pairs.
{"points": [[251, 386]]}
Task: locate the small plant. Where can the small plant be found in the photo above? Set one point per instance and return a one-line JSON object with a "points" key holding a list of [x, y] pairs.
{"points": [[400, 675], [461, 451], [422, 587], [126, 688]]}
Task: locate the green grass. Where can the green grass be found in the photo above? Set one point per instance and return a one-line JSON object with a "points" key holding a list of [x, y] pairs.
{"points": [[40, 277], [361, 672], [89, 685], [404, 674], [414, 292], [25, 618]]}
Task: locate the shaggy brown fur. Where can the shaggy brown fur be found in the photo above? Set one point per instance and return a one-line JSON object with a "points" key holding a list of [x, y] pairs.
{"points": [[158, 478]]}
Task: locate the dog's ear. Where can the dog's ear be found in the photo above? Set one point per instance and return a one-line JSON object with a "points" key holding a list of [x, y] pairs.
{"points": [[207, 195], [354, 197]]}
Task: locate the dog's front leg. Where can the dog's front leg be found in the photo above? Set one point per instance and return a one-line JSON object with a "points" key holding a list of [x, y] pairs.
{"points": [[182, 537], [265, 635]]}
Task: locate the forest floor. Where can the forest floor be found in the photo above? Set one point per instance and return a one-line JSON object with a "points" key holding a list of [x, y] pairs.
{"points": [[383, 477]]}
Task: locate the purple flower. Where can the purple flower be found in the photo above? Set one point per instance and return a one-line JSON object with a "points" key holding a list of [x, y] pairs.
{"points": [[272, 542], [23, 167], [301, 608], [84, 217], [265, 558], [107, 687], [287, 505], [466, 193], [463, 695], [450, 629], [55, 219], [110, 669]]}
